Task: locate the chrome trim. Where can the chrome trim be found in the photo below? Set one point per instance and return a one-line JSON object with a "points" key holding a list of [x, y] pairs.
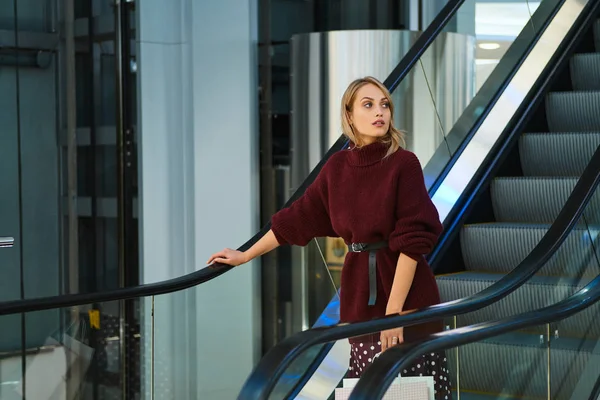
{"points": [[463, 171], [331, 371], [6, 242]]}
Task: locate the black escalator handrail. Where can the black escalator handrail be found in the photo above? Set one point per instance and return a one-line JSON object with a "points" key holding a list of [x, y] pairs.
{"points": [[264, 377], [213, 271], [378, 377], [153, 289]]}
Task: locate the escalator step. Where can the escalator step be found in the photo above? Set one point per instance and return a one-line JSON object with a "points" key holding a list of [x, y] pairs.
{"points": [[538, 292], [530, 199], [557, 154], [500, 247], [520, 365], [585, 71], [573, 111]]}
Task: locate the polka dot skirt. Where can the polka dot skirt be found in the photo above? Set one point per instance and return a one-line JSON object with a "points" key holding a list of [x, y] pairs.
{"points": [[432, 364]]}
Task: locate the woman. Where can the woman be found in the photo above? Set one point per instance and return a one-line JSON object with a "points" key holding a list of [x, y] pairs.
{"points": [[374, 197]]}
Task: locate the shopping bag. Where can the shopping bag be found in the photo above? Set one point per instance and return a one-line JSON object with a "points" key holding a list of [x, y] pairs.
{"points": [[404, 388], [57, 372]]}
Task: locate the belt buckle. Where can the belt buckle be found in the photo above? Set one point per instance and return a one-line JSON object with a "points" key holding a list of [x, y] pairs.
{"points": [[357, 247]]}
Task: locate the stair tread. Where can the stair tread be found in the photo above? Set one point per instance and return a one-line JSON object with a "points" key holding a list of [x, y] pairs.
{"points": [[573, 110], [530, 199], [585, 71], [560, 153]]}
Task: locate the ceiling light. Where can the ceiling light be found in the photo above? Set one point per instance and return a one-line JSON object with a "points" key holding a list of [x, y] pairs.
{"points": [[489, 46]]}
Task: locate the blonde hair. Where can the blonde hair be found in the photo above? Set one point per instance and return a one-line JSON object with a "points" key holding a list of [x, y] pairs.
{"points": [[394, 137]]}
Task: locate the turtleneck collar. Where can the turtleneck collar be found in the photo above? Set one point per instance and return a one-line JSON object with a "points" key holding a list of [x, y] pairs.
{"points": [[367, 155]]}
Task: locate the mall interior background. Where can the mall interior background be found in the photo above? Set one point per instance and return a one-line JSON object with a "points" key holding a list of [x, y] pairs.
{"points": [[143, 137]]}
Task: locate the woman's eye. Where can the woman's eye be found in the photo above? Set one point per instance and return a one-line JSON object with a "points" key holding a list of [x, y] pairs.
{"points": [[368, 104], [386, 105]]}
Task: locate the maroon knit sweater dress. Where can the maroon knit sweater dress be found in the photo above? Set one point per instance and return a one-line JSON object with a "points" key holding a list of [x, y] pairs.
{"points": [[363, 197]]}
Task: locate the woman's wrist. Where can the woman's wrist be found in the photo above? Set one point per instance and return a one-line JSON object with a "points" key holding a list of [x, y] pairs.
{"points": [[393, 309], [246, 257]]}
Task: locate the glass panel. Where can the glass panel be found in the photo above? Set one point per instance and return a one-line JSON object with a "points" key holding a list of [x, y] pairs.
{"points": [[97, 172], [512, 365], [51, 255], [10, 258], [11, 356], [170, 343], [485, 36], [297, 371], [575, 356], [417, 102], [572, 266], [72, 353]]}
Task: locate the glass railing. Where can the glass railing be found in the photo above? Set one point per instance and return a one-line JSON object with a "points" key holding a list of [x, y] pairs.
{"points": [[532, 363], [557, 360], [455, 82], [75, 352]]}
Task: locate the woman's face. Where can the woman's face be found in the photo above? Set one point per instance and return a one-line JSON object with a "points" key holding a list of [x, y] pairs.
{"points": [[370, 114]]}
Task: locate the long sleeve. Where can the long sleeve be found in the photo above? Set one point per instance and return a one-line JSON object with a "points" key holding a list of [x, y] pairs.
{"points": [[306, 218], [418, 226]]}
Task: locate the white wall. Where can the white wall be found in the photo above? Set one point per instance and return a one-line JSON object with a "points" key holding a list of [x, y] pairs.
{"points": [[199, 190]]}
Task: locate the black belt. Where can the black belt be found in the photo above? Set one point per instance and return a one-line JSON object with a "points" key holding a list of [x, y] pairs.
{"points": [[372, 249]]}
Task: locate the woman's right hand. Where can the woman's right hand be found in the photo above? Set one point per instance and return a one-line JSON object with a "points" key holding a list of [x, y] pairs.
{"points": [[229, 257]]}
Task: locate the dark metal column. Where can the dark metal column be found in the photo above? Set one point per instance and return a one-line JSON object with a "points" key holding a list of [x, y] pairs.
{"points": [[126, 166], [270, 271], [71, 148], [91, 177]]}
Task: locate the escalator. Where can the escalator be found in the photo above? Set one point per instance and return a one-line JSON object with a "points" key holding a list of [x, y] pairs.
{"points": [[525, 199]]}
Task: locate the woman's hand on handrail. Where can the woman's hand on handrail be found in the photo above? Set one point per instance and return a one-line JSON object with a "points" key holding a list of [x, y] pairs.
{"points": [[234, 257]]}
